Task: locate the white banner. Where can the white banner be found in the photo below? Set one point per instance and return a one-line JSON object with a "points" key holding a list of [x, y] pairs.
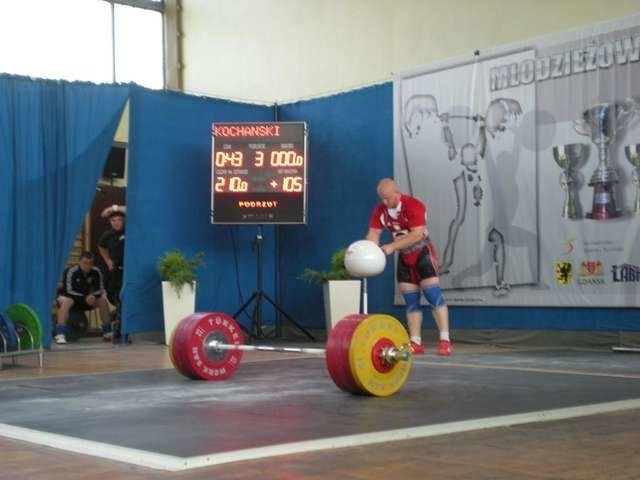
{"points": [[528, 158]]}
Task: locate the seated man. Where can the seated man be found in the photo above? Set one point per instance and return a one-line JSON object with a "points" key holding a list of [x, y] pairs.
{"points": [[82, 289]]}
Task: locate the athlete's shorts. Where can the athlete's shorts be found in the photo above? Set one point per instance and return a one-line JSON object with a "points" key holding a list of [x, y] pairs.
{"points": [[419, 265], [82, 305]]}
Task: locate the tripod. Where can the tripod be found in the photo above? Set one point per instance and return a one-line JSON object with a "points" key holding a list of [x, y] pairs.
{"points": [[258, 295]]}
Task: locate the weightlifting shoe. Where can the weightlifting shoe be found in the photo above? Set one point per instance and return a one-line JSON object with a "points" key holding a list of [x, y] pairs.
{"points": [[416, 349], [444, 348], [60, 339]]}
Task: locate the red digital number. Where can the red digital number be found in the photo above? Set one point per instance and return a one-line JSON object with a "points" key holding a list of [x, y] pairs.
{"points": [[236, 184], [292, 184], [286, 158], [225, 158], [258, 159]]}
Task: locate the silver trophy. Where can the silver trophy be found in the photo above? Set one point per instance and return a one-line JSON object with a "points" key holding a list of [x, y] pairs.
{"points": [[633, 155], [569, 158], [601, 123]]}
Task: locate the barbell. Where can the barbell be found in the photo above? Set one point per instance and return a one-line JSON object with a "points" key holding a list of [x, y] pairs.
{"points": [[364, 354]]}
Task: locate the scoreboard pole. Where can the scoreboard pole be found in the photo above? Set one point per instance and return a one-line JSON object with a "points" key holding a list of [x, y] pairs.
{"points": [[259, 294]]}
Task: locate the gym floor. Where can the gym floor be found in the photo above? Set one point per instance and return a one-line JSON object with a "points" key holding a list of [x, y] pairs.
{"points": [[484, 413]]}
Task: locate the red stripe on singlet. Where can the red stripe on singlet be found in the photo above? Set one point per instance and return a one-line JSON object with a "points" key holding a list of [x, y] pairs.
{"points": [[433, 256]]}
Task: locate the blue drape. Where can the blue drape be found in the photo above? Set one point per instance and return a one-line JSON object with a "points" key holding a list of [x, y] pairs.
{"points": [[350, 149], [54, 139], [168, 207]]}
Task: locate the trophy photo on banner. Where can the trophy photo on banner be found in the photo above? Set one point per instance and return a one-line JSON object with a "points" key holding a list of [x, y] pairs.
{"points": [[633, 155], [601, 122], [570, 158]]}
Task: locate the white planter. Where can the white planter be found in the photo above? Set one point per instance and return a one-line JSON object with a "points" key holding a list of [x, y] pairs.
{"points": [[174, 308], [341, 298]]}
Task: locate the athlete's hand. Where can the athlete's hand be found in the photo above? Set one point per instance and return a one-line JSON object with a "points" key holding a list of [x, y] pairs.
{"points": [[388, 249]]}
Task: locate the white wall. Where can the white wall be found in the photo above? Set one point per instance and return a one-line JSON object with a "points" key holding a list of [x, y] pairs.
{"points": [[281, 50]]}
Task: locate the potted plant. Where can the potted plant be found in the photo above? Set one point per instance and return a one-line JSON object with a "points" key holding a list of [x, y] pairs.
{"points": [[341, 292], [178, 275]]}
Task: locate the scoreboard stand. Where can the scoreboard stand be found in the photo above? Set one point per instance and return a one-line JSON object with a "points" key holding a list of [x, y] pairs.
{"points": [[258, 295]]}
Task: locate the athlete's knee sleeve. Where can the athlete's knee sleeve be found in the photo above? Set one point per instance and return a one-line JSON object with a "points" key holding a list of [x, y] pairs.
{"points": [[412, 300], [433, 294]]}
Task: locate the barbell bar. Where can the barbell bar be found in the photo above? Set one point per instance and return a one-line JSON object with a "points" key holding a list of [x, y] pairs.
{"points": [[365, 354], [218, 345], [388, 355]]}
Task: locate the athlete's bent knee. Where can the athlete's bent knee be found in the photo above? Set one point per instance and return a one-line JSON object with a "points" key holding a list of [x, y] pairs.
{"points": [[434, 297], [412, 300]]}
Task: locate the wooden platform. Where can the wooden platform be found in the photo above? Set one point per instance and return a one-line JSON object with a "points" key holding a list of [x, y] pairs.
{"points": [[594, 446]]}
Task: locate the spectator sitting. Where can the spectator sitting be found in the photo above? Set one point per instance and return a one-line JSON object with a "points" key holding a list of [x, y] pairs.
{"points": [[82, 289]]}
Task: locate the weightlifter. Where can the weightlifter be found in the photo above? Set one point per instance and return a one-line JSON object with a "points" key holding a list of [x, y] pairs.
{"points": [[405, 217]]}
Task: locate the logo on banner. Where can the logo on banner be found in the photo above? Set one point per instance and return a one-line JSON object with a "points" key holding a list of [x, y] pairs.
{"points": [[625, 273], [564, 272], [568, 246], [591, 273]]}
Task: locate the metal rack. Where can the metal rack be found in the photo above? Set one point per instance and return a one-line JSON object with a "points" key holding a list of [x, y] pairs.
{"points": [[35, 350]]}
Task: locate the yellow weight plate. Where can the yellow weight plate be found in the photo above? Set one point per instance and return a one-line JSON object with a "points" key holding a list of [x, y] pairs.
{"points": [[369, 334]]}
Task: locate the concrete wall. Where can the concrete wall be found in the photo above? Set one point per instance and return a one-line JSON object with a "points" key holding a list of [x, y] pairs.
{"points": [[280, 50]]}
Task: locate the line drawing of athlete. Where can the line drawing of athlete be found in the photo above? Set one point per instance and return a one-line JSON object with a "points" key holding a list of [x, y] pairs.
{"points": [[502, 115]]}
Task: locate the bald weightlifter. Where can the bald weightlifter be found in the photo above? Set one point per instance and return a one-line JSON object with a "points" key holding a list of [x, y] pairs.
{"points": [[405, 217]]}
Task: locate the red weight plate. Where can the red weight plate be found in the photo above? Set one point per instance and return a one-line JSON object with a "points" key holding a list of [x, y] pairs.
{"points": [[205, 362], [175, 346], [179, 345], [337, 353], [184, 344], [376, 355]]}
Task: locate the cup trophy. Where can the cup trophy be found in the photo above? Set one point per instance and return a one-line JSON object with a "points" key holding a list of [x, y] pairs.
{"points": [[633, 155], [569, 158], [601, 122]]}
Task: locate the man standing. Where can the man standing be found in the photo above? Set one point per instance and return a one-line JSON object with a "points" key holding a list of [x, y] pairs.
{"points": [[405, 217], [82, 289], [111, 248]]}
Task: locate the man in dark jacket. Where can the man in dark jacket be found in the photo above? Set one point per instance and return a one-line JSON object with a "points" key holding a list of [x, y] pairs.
{"points": [[111, 248], [82, 289]]}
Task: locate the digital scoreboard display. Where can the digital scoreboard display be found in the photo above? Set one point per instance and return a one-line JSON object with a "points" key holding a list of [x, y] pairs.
{"points": [[259, 172]]}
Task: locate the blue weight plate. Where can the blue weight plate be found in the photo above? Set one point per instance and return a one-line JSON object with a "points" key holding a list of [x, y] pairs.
{"points": [[8, 331]]}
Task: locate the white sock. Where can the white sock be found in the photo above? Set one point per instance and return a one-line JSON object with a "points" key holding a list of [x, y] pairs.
{"points": [[444, 336], [416, 339]]}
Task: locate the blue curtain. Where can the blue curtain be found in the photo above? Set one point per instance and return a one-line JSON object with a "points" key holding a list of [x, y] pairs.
{"points": [[54, 139], [168, 207], [350, 149]]}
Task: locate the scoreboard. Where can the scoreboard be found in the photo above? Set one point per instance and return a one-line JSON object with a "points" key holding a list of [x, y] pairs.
{"points": [[259, 172]]}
